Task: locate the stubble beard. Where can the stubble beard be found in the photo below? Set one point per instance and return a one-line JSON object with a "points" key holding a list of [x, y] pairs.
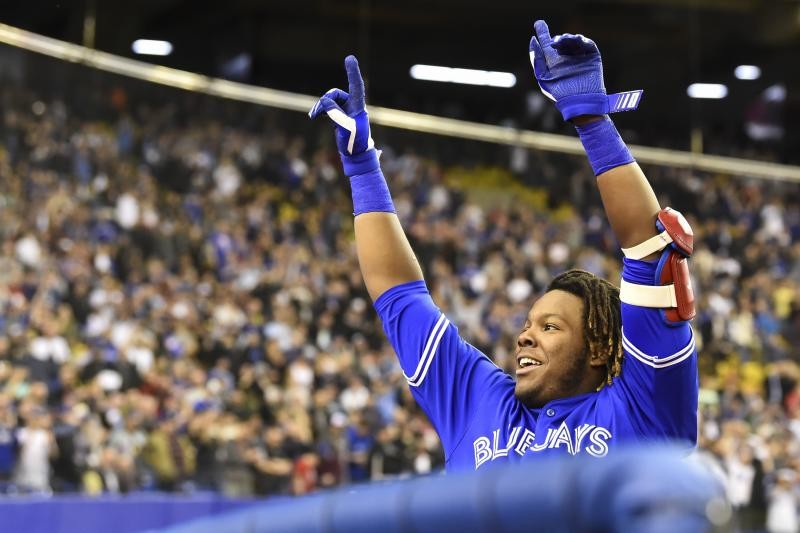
{"points": [[565, 384]]}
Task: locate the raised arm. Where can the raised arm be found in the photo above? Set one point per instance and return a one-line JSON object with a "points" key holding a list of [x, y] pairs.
{"points": [[448, 377], [659, 366], [384, 253], [629, 201], [569, 71]]}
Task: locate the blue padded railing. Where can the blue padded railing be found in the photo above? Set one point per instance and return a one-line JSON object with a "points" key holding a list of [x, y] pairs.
{"points": [[633, 491]]}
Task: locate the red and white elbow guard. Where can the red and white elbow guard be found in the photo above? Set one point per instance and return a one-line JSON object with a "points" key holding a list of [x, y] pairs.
{"points": [[673, 294]]}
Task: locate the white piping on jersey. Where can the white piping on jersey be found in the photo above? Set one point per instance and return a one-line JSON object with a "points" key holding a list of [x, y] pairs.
{"points": [[431, 354], [658, 362], [430, 350], [439, 322], [656, 359]]}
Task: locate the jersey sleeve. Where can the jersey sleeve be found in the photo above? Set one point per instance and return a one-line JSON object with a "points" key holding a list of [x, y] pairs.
{"points": [[448, 377], [659, 370]]}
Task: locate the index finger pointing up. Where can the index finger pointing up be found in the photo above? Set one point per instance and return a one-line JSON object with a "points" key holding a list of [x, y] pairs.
{"points": [[355, 82], [542, 33]]}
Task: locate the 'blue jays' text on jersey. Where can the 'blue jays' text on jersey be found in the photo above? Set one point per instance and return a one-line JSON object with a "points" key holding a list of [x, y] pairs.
{"points": [[471, 401]]}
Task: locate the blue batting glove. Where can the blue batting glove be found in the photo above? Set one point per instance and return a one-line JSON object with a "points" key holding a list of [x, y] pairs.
{"points": [[349, 112], [570, 72]]}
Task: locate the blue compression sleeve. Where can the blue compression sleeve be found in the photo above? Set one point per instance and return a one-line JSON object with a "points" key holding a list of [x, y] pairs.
{"points": [[604, 146], [367, 184]]}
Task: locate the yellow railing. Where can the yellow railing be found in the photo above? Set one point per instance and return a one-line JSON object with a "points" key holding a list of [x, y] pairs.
{"points": [[392, 118]]}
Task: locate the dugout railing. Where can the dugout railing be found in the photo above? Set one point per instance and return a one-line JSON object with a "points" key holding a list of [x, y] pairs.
{"points": [[392, 118]]}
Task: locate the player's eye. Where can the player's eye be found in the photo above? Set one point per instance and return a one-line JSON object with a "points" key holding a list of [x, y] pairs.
{"points": [[549, 327], [525, 327]]}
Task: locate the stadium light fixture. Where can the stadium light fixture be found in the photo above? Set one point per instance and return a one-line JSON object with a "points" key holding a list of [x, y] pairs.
{"points": [[747, 72], [151, 47], [712, 91], [463, 75]]}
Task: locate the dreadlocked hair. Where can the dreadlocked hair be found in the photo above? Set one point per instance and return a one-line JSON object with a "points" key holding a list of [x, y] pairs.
{"points": [[602, 322]]}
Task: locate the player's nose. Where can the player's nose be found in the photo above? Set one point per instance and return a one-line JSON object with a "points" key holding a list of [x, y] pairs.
{"points": [[526, 339]]}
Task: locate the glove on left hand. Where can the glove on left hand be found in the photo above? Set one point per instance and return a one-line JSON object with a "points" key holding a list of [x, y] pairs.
{"points": [[570, 72]]}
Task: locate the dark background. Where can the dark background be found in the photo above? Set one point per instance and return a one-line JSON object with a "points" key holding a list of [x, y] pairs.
{"points": [[660, 46]]}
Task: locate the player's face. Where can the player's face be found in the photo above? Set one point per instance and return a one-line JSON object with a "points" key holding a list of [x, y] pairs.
{"points": [[552, 359]]}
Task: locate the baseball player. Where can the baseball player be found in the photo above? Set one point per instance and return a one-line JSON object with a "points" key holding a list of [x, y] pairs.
{"points": [[597, 366]]}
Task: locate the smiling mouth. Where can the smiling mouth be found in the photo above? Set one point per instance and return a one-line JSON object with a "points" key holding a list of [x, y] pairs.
{"points": [[526, 364]]}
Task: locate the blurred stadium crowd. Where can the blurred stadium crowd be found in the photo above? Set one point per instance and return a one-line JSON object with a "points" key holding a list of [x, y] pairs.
{"points": [[182, 308]]}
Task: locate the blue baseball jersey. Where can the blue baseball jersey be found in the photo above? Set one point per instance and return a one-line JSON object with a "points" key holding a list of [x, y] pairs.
{"points": [[471, 403]]}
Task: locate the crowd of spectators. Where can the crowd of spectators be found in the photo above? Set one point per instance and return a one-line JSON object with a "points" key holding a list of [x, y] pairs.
{"points": [[181, 307]]}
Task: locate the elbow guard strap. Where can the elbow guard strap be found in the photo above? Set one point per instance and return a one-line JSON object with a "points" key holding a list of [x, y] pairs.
{"points": [[673, 292]]}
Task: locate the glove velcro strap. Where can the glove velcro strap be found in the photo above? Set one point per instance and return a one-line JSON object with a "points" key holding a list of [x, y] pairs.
{"points": [[660, 297], [598, 103], [627, 101], [650, 246], [582, 104]]}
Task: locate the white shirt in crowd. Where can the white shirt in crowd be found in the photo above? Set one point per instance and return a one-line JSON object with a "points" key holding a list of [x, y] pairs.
{"points": [[53, 348], [782, 511], [33, 467], [740, 482]]}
